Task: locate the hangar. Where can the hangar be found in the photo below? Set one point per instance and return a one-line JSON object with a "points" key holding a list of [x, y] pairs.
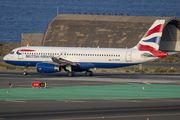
{"points": [[74, 30]]}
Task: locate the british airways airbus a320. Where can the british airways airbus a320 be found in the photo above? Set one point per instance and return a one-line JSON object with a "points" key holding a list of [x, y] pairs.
{"points": [[75, 59]]}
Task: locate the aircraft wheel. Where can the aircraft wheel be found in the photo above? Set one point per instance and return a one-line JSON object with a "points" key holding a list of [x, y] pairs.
{"points": [[25, 73], [89, 73], [70, 74]]}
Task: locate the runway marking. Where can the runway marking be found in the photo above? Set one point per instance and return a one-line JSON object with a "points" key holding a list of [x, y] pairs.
{"points": [[163, 100], [58, 84], [117, 117], [123, 100], [15, 101], [145, 82], [88, 111], [71, 101], [24, 85]]}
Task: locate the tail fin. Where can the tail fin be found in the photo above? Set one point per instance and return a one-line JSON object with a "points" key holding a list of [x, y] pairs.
{"points": [[151, 40]]}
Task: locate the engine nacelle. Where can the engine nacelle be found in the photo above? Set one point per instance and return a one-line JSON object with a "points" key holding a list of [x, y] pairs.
{"points": [[47, 68]]}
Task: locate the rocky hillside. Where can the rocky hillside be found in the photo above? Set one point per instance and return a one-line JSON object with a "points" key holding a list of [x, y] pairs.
{"points": [[6, 48]]}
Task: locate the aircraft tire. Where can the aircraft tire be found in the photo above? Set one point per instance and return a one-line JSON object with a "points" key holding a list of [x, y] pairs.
{"points": [[70, 74], [25, 73], [89, 73]]}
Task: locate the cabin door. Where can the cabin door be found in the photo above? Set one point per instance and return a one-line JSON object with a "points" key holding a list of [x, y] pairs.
{"points": [[20, 56], [128, 56]]}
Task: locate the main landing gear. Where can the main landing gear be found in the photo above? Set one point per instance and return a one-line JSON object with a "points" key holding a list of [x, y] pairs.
{"points": [[25, 71], [89, 73], [71, 74]]}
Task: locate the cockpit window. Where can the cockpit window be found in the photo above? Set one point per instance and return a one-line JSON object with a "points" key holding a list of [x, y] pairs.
{"points": [[12, 52]]}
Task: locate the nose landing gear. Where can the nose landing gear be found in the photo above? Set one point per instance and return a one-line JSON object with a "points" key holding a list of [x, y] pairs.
{"points": [[25, 70]]}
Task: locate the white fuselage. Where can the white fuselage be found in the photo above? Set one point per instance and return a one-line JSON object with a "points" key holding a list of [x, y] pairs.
{"points": [[100, 57]]}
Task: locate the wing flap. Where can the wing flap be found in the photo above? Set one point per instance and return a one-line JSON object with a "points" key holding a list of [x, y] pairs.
{"points": [[63, 62]]}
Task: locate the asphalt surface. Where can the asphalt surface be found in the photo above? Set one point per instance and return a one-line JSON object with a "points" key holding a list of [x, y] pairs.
{"points": [[128, 109], [154, 109]]}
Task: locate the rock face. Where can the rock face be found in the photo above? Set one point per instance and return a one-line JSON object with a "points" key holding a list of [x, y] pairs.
{"points": [[32, 39], [6, 48], [98, 30]]}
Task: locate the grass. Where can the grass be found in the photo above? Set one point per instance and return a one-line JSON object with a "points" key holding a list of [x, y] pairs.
{"points": [[169, 59], [135, 70], [5, 66]]}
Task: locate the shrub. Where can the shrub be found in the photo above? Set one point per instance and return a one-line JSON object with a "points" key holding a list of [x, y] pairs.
{"points": [[10, 67], [171, 70], [160, 70], [103, 71]]}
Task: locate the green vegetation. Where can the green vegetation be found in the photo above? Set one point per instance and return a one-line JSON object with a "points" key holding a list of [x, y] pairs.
{"points": [[10, 67], [5, 66], [169, 59], [135, 70]]}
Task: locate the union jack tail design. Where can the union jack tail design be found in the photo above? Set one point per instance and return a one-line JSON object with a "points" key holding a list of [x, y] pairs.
{"points": [[152, 38]]}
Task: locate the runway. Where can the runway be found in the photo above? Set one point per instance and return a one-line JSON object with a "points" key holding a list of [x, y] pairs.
{"points": [[125, 109]]}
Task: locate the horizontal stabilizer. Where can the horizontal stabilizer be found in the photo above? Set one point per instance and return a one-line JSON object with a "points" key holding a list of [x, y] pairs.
{"points": [[171, 53]]}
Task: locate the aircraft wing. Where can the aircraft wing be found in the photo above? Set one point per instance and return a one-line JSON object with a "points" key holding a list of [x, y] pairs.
{"points": [[63, 62]]}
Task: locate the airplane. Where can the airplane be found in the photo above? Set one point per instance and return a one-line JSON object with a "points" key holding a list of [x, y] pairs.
{"points": [[79, 59]]}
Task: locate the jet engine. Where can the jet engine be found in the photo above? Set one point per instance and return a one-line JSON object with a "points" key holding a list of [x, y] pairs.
{"points": [[47, 68]]}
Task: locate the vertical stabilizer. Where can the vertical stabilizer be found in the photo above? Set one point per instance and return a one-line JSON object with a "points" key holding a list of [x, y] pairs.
{"points": [[151, 40]]}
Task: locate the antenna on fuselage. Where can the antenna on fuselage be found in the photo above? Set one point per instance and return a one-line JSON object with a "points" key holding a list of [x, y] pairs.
{"points": [[98, 47], [27, 45]]}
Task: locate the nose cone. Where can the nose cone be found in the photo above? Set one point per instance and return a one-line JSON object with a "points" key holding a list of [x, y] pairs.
{"points": [[5, 58]]}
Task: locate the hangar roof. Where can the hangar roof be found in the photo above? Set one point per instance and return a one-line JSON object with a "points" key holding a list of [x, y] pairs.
{"points": [[71, 30]]}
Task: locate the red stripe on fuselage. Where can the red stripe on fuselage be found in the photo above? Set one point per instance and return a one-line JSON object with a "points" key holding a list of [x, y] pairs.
{"points": [[156, 29], [26, 50]]}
